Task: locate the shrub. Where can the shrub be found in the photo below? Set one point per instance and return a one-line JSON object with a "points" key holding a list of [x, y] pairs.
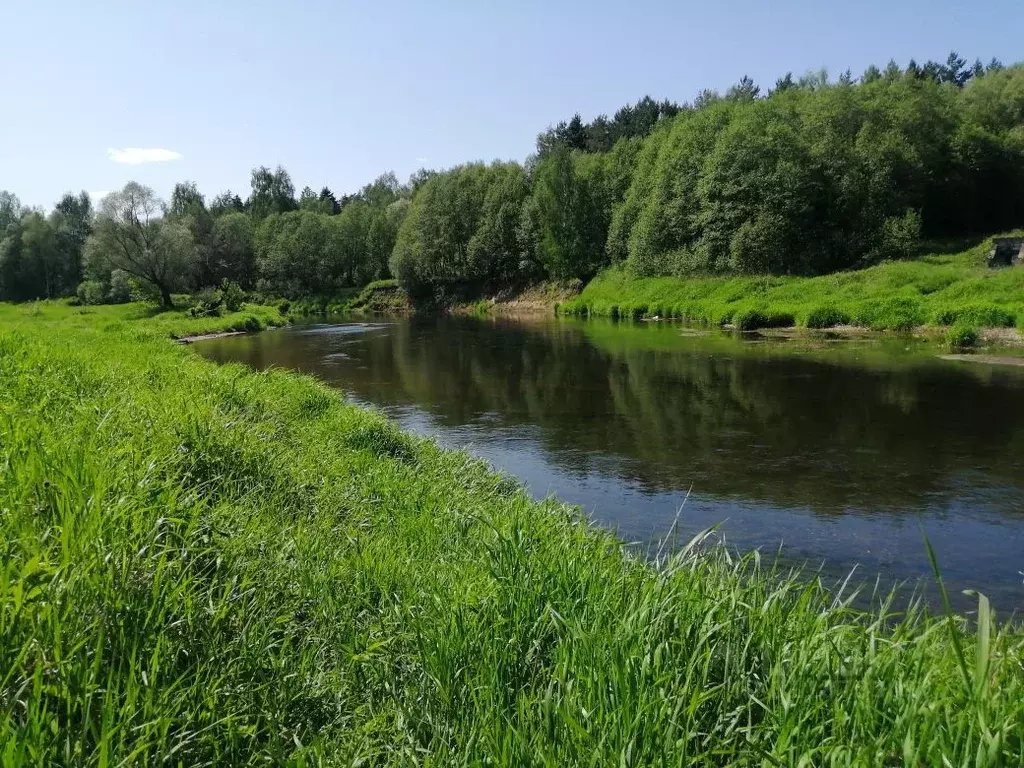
{"points": [[962, 337], [284, 307], [752, 319], [122, 288], [232, 295], [252, 324], [895, 314], [982, 315], [207, 303], [826, 317], [90, 292]]}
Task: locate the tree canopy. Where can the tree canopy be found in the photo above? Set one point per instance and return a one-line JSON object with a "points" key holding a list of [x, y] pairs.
{"points": [[812, 175]]}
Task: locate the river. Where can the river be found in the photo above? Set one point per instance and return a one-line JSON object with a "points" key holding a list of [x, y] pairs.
{"points": [[830, 452]]}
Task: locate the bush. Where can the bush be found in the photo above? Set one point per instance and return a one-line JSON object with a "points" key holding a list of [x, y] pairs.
{"points": [[284, 307], [122, 287], [895, 314], [232, 295], [90, 292], [962, 337], [207, 303], [982, 315], [752, 319], [252, 324], [826, 317]]}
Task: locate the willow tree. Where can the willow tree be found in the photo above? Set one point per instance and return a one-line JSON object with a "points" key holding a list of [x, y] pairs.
{"points": [[131, 234]]}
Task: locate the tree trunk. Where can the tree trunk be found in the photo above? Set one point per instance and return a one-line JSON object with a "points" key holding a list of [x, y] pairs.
{"points": [[165, 298]]}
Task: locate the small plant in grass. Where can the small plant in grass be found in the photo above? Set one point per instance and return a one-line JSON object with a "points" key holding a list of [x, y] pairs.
{"points": [[962, 337], [896, 313], [207, 303], [752, 319], [982, 315], [232, 295], [252, 324], [826, 317]]}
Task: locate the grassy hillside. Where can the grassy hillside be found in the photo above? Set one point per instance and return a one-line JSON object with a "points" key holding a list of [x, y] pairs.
{"points": [[939, 289], [207, 565]]}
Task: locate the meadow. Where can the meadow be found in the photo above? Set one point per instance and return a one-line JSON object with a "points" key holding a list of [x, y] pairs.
{"points": [[206, 565], [955, 290]]}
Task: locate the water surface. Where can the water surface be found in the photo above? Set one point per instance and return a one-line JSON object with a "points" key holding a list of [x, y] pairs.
{"points": [[837, 451]]}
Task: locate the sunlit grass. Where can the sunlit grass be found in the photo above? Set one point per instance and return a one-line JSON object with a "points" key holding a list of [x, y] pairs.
{"points": [[941, 290], [208, 566]]}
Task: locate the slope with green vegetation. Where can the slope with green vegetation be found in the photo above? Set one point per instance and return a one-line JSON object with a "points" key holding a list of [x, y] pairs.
{"points": [[209, 565], [943, 290]]}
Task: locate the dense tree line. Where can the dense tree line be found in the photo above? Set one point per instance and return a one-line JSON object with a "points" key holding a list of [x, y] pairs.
{"points": [[821, 177], [810, 176], [137, 245], [41, 256], [601, 134]]}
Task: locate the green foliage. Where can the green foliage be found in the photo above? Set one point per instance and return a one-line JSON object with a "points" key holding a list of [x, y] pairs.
{"points": [[40, 257], [122, 288], [571, 219], [226, 202], [214, 302], [633, 121], [310, 252], [232, 294], [207, 303], [381, 296], [826, 317], [252, 324], [937, 289], [752, 319], [232, 248], [90, 292], [272, 192], [461, 232], [983, 315], [822, 177], [962, 336], [897, 313], [130, 235], [232, 567], [815, 177]]}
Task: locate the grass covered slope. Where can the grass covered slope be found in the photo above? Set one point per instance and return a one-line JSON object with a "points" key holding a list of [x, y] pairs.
{"points": [[217, 566], [933, 290]]}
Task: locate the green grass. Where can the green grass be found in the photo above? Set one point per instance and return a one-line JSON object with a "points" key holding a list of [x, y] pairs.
{"points": [[962, 337], [378, 296], [172, 324], [206, 565], [939, 290]]}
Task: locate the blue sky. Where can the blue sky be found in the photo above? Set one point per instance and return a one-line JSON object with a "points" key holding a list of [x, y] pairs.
{"points": [[339, 92]]}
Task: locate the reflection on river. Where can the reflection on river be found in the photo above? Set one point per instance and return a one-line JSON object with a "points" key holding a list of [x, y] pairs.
{"points": [[837, 449]]}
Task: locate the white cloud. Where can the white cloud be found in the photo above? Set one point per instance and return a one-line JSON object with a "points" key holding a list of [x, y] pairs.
{"points": [[421, 160], [137, 156]]}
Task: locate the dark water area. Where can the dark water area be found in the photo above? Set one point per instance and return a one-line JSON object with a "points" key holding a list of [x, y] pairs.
{"points": [[838, 451]]}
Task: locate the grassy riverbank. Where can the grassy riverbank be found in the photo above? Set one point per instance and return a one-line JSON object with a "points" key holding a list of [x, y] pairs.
{"points": [[380, 296], [217, 566], [940, 289]]}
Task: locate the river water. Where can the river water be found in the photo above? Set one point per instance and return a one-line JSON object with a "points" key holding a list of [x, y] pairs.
{"points": [[830, 452]]}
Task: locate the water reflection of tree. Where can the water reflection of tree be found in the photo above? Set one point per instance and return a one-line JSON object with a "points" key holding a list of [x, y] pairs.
{"points": [[734, 420]]}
